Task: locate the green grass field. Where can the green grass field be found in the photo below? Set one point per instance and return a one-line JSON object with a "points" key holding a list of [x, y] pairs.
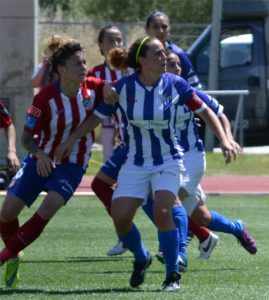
{"points": [[68, 261]]}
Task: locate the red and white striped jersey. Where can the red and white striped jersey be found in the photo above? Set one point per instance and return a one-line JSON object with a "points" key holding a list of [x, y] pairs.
{"points": [[5, 119], [54, 116], [104, 72]]}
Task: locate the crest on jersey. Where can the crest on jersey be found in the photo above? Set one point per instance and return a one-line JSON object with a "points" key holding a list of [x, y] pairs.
{"points": [[88, 104], [166, 99]]}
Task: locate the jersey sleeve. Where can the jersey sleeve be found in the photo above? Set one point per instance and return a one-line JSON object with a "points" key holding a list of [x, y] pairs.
{"points": [[211, 102], [188, 95], [104, 110], [34, 116], [187, 70], [5, 119]]}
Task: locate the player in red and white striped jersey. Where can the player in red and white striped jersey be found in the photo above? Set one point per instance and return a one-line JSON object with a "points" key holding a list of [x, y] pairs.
{"points": [[109, 37], [56, 112]]}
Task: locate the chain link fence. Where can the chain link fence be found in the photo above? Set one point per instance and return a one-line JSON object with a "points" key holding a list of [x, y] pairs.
{"points": [[86, 32]]}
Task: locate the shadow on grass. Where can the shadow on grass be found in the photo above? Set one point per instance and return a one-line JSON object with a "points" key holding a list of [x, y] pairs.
{"points": [[79, 260], [71, 292]]}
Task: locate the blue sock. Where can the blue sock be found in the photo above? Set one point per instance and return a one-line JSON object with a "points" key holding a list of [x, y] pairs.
{"points": [[181, 222], [133, 242], [169, 244], [222, 224], [148, 209]]}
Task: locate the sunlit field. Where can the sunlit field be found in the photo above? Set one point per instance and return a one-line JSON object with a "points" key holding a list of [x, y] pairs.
{"points": [[68, 261]]}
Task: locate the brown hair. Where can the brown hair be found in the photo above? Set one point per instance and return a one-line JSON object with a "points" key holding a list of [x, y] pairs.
{"points": [[122, 59]]}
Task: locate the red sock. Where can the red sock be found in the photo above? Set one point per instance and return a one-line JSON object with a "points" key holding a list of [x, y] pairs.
{"points": [[26, 234], [7, 230], [200, 232], [104, 192]]}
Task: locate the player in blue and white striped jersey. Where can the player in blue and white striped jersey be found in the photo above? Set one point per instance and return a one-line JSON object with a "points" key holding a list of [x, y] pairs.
{"points": [[158, 25], [149, 101], [195, 164]]}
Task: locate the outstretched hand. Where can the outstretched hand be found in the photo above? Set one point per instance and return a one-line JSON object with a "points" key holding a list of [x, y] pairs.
{"points": [[228, 151]]}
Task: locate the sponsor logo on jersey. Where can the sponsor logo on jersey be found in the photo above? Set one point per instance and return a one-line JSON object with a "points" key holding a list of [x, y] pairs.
{"points": [[34, 111]]}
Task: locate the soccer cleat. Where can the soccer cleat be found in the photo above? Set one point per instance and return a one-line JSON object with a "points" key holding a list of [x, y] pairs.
{"points": [[12, 274], [172, 284], [159, 256], [182, 264], [117, 250], [139, 272], [207, 246], [246, 240], [182, 261]]}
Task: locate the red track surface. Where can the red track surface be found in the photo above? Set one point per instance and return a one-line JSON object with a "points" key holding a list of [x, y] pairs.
{"points": [[256, 185]]}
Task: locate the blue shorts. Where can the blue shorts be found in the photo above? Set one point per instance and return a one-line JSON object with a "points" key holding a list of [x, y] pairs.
{"points": [[113, 165], [27, 184]]}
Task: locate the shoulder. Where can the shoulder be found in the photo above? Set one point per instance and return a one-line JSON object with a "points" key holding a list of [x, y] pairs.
{"points": [[92, 81], [91, 71], [48, 92]]}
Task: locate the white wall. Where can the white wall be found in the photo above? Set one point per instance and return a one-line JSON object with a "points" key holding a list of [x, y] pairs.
{"points": [[18, 23]]}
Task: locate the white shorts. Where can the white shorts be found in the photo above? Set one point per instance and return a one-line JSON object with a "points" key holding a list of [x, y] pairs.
{"points": [[193, 200], [195, 166], [138, 182]]}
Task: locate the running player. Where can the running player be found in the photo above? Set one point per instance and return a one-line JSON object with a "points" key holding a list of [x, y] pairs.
{"points": [[195, 164], [149, 100], [56, 111]]}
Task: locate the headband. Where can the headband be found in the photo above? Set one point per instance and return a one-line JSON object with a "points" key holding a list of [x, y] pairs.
{"points": [[139, 48]]}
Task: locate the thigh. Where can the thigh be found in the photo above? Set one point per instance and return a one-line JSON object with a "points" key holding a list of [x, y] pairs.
{"points": [[50, 205], [167, 178], [27, 184], [194, 164], [65, 179], [113, 165], [125, 207], [133, 182], [192, 201], [11, 208]]}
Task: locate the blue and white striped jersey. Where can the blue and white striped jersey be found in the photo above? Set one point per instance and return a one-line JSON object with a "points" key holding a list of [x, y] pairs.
{"points": [[187, 130], [150, 115], [187, 70]]}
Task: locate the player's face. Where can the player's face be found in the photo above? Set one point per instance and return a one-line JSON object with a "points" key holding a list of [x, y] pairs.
{"points": [[155, 59], [75, 69], [159, 28], [112, 39], [173, 64]]}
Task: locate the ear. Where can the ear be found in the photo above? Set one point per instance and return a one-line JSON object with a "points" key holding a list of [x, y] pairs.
{"points": [[141, 60], [61, 69]]}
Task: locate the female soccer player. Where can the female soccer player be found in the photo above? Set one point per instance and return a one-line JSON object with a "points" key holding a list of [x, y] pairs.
{"points": [[56, 111], [158, 25], [109, 37], [195, 164], [148, 100]]}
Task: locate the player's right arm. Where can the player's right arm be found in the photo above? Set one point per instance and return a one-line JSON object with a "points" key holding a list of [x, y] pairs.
{"points": [[34, 119]]}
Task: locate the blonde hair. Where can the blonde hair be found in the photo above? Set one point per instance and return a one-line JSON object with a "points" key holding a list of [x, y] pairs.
{"points": [[53, 43]]}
